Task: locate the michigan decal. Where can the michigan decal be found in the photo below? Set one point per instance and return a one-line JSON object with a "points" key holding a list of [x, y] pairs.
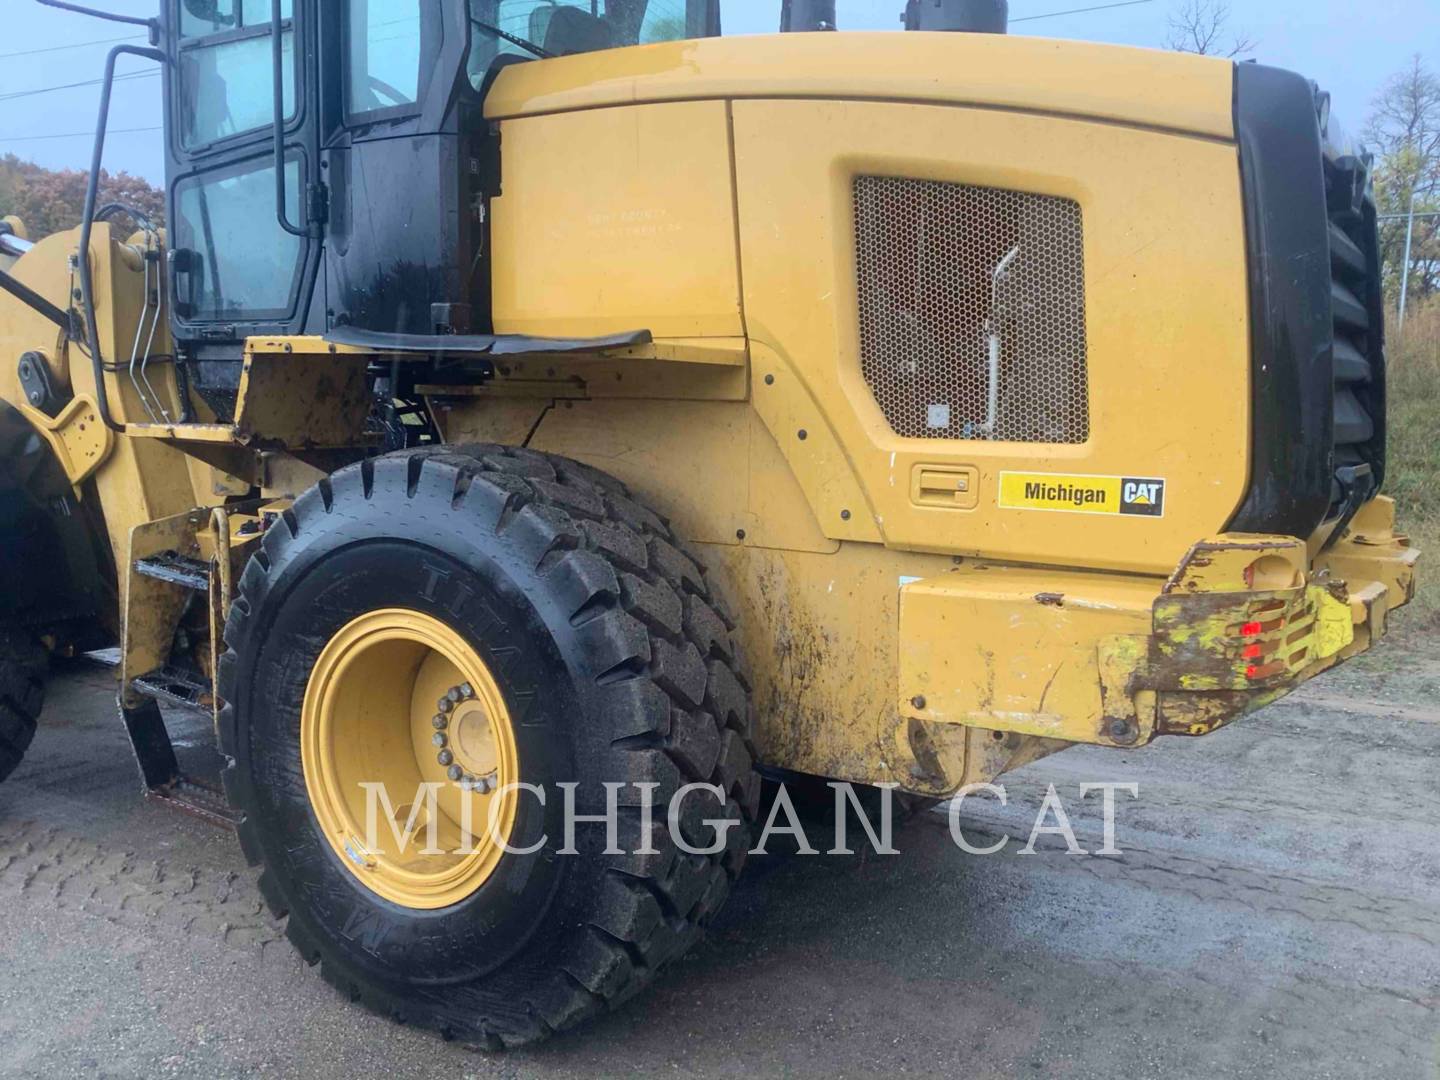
{"points": [[1133, 496]]}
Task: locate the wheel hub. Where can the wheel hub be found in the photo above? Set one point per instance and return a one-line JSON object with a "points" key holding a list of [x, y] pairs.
{"points": [[397, 701], [474, 740]]}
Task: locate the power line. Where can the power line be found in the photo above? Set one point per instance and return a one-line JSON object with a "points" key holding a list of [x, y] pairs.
{"points": [[74, 134], [127, 77], [15, 95], [76, 45], [1081, 11]]}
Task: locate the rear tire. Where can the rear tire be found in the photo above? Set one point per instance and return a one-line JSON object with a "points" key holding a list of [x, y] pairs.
{"points": [[22, 695], [615, 659]]}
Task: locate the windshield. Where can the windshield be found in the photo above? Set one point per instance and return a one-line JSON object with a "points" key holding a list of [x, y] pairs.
{"points": [[563, 27]]}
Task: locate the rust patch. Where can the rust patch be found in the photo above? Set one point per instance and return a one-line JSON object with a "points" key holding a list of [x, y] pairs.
{"points": [[927, 769], [794, 728], [1200, 713]]}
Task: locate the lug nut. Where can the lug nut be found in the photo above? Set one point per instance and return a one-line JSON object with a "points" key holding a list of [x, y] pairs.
{"points": [[445, 757], [466, 690], [445, 704], [439, 722], [455, 772], [453, 694], [439, 739]]}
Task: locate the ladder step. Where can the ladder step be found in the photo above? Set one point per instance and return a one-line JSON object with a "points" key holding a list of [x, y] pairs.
{"points": [[160, 775], [176, 569], [176, 686], [201, 800]]}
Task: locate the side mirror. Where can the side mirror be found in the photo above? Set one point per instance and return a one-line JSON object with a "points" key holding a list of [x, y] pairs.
{"points": [[186, 263], [209, 11]]}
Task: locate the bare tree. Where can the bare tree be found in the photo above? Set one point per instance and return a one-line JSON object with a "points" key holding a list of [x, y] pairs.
{"points": [[1200, 26], [1406, 113], [1404, 131]]}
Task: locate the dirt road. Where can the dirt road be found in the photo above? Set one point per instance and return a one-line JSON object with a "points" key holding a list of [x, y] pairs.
{"points": [[1276, 912]]}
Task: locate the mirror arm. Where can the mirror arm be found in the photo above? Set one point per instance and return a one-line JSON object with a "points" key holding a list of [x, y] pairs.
{"points": [[152, 25]]}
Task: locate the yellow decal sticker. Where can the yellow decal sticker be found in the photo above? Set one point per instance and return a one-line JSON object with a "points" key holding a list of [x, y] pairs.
{"points": [[1132, 496], [1334, 627]]}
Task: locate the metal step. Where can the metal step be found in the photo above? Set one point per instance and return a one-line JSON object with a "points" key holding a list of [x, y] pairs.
{"points": [[177, 687], [198, 799], [160, 775], [176, 569]]}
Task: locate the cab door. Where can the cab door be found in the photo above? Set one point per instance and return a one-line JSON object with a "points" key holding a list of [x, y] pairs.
{"points": [[243, 255]]}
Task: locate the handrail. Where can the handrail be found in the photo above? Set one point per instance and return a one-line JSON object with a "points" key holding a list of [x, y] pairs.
{"points": [[277, 46], [87, 222]]}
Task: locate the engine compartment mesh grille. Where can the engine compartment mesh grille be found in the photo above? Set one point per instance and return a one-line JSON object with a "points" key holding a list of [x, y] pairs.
{"points": [[972, 310]]}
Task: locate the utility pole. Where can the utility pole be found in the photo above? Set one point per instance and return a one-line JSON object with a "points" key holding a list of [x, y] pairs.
{"points": [[1409, 236]]}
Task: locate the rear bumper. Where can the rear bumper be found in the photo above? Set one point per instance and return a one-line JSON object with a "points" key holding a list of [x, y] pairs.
{"points": [[1118, 660]]}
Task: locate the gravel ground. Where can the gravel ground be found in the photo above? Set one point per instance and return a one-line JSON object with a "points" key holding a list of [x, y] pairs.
{"points": [[1275, 913]]}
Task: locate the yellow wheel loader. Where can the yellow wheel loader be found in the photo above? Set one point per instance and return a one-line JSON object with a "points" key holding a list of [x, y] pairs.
{"points": [[567, 410]]}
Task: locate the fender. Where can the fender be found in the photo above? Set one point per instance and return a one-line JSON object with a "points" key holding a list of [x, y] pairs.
{"points": [[53, 580]]}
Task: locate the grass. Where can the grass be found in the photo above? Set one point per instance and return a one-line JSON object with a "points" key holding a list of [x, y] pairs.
{"points": [[1413, 472]]}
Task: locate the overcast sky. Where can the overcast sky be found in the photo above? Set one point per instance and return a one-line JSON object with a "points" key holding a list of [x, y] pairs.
{"points": [[1349, 46]]}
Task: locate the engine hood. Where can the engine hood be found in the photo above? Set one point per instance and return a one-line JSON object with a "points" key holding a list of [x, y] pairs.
{"points": [[1141, 87]]}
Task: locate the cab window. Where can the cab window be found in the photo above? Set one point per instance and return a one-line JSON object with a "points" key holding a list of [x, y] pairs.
{"points": [[383, 54], [239, 264], [200, 18], [226, 81], [565, 27], [666, 22]]}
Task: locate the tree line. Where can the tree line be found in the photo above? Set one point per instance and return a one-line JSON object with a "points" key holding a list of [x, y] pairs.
{"points": [[51, 200], [1404, 134]]}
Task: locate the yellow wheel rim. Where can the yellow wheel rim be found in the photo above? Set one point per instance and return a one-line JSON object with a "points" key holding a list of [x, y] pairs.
{"points": [[397, 700]]}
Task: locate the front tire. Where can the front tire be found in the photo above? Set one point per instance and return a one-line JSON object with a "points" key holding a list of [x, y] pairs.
{"points": [[615, 663]]}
